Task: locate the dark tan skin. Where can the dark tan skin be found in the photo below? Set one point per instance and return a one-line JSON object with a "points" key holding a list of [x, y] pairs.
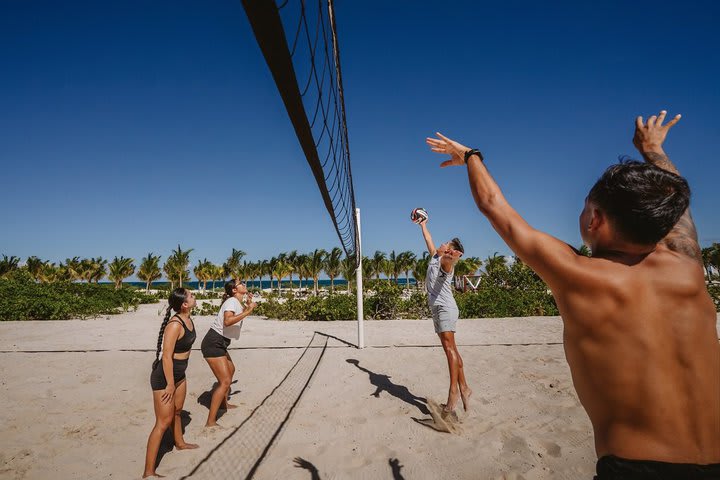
{"points": [[223, 367], [640, 331], [168, 403]]}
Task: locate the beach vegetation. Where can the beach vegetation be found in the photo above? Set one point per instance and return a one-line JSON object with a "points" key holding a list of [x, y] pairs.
{"points": [[24, 298], [149, 270], [119, 269]]}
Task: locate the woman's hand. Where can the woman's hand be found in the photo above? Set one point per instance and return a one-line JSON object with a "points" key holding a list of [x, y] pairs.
{"points": [[168, 394]]}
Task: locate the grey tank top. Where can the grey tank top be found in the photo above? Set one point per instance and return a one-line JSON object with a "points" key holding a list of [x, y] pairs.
{"points": [[439, 284]]}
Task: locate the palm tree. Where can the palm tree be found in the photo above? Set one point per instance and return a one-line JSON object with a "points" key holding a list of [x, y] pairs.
{"points": [[48, 273], [316, 265], [347, 269], [149, 270], [332, 265], [34, 265], [393, 266], [176, 266], [97, 269], [377, 263], [291, 260], [217, 272], [584, 250], [302, 263], [232, 264], [405, 261], [467, 266], [419, 269], [73, 268], [8, 265], [120, 269], [204, 272]]}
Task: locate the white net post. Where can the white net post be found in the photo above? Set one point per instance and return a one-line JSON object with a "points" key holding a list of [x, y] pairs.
{"points": [[358, 282]]}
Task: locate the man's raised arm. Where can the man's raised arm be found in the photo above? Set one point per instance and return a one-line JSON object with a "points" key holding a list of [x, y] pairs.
{"points": [[553, 260], [648, 139]]}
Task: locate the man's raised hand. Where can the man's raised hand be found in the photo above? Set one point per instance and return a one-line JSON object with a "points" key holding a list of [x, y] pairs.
{"points": [[649, 136], [442, 144]]}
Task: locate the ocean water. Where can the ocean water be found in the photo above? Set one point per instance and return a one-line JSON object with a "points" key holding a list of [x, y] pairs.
{"points": [[322, 283]]}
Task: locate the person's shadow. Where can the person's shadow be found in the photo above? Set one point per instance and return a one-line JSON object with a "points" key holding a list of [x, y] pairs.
{"points": [[168, 443], [206, 397], [384, 384], [315, 474], [396, 467], [304, 464]]}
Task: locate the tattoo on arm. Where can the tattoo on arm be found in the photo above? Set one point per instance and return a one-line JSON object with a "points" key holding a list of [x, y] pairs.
{"points": [[660, 160], [683, 238]]}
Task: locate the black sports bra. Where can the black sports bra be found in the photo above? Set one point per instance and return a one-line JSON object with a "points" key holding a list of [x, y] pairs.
{"points": [[184, 343]]}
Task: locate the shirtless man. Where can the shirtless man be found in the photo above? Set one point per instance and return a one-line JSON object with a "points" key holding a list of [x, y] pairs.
{"points": [[640, 331]]}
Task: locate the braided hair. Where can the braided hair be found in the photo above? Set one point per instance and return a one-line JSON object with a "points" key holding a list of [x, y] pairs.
{"points": [[177, 298]]}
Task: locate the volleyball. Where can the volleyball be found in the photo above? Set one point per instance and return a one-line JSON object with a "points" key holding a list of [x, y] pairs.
{"points": [[418, 215]]}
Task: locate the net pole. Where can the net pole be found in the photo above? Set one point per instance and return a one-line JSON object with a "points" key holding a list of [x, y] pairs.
{"points": [[358, 278]]}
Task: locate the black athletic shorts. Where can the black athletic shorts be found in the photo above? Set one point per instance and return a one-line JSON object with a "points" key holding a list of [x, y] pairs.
{"points": [[611, 467], [157, 377], [214, 345]]}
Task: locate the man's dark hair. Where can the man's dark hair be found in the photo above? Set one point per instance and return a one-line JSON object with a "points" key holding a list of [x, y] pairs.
{"points": [[457, 245], [643, 202]]}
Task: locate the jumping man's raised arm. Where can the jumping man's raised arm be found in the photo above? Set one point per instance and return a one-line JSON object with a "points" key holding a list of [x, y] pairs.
{"points": [[428, 239]]}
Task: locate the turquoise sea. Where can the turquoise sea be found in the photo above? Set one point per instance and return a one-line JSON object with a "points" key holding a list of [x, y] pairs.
{"points": [[256, 284]]}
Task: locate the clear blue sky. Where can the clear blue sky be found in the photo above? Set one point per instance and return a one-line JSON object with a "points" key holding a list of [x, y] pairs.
{"points": [[129, 127]]}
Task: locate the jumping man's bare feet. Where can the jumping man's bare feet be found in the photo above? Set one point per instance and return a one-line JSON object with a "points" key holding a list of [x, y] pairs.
{"points": [[451, 402], [465, 394]]}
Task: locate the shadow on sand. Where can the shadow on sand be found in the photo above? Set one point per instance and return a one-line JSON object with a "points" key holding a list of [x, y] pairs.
{"points": [[168, 443], [205, 397], [384, 384], [299, 462]]}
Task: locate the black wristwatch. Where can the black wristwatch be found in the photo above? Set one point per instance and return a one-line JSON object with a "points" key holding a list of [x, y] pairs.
{"points": [[474, 151]]}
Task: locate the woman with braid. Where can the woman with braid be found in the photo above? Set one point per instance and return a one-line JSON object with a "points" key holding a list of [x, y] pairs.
{"points": [[214, 346], [177, 334]]}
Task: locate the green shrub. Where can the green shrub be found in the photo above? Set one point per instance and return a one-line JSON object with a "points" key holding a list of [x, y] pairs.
{"points": [[714, 291], [384, 302], [21, 298], [415, 307]]}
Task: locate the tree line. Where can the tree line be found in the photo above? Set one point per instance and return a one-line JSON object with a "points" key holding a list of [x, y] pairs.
{"points": [[292, 265]]}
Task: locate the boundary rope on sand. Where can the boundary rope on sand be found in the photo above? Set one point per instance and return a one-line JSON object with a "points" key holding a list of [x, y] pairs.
{"points": [[240, 454]]}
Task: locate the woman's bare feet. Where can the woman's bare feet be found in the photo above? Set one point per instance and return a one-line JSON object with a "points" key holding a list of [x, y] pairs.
{"points": [[187, 446], [153, 474], [465, 394], [227, 406]]}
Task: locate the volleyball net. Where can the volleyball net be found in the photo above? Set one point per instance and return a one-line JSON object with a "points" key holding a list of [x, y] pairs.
{"points": [[299, 41]]}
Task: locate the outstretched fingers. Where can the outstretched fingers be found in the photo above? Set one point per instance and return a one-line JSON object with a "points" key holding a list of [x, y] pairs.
{"points": [[673, 121]]}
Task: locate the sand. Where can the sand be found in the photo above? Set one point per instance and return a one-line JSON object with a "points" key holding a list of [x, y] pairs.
{"points": [[77, 402]]}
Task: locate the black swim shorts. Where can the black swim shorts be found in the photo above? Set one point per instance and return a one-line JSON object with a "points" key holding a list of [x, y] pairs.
{"points": [[611, 467], [214, 345], [157, 377]]}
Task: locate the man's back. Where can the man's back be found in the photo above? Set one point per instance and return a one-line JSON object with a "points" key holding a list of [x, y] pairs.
{"points": [[642, 346]]}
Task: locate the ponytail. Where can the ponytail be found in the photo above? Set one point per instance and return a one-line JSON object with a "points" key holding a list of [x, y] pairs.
{"points": [[229, 286]]}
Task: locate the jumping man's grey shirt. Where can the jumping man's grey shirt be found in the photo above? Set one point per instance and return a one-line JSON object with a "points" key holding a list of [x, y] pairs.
{"points": [[439, 284]]}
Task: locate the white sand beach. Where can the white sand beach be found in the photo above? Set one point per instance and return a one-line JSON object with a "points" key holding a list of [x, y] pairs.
{"points": [[77, 402]]}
